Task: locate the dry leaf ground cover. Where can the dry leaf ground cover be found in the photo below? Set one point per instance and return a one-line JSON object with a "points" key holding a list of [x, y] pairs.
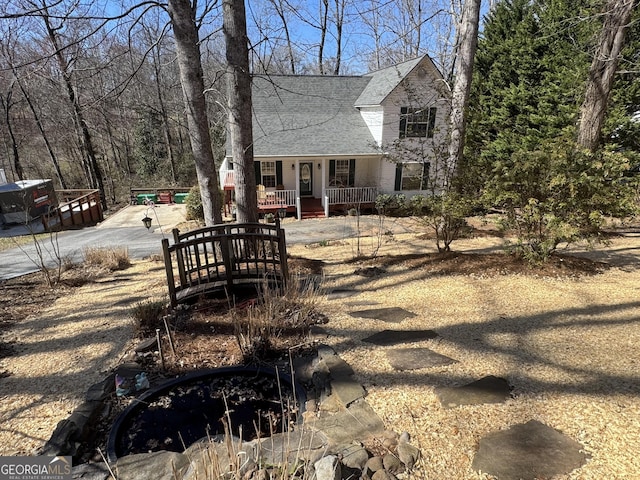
{"points": [[565, 336]]}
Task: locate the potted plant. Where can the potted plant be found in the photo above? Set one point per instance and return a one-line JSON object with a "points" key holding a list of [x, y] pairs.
{"points": [[269, 217]]}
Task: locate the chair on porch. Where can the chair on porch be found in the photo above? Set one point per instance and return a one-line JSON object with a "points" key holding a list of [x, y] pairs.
{"points": [[262, 195]]}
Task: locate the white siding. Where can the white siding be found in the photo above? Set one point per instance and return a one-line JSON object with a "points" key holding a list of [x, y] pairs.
{"points": [[421, 88], [374, 118]]}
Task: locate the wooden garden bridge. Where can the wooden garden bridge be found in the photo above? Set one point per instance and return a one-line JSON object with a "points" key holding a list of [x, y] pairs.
{"points": [[223, 258]]}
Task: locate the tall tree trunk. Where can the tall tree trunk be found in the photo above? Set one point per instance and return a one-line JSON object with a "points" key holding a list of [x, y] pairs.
{"points": [[191, 77], [6, 105], [601, 74], [239, 103], [163, 113], [340, 6], [463, 68], [41, 129], [324, 25], [279, 6], [92, 167]]}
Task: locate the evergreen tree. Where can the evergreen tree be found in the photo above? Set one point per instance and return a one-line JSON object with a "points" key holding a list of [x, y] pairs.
{"points": [[531, 66]]}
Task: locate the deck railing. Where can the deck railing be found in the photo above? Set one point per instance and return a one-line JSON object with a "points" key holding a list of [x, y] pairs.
{"points": [[221, 257], [80, 207], [351, 195]]}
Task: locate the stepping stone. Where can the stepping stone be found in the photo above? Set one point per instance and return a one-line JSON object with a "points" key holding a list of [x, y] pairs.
{"points": [[370, 271], [339, 293], [391, 314], [416, 358], [486, 390], [528, 451], [394, 337]]}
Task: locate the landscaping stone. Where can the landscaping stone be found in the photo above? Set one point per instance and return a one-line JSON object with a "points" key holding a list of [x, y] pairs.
{"points": [[407, 453], [383, 475], [71, 432], [391, 314], [527, 452], [157, 465], [98, 392], [392, 463], [303, 443], [488, 389], [213, 460], [328, 468], [394, 337], [91, 471], [358, 422], [416, 358], [339, 293], [339, 381], [373, 465], [370, 271], [147, 345], [353, 455]]}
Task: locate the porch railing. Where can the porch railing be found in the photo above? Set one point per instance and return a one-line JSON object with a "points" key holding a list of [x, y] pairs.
{"points": [[276, 198], [351, 195]]}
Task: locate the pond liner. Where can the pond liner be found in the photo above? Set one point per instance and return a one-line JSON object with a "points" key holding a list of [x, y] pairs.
{"points": [[181, 411]]}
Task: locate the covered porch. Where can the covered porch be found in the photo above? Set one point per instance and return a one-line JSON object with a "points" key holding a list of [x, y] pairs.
{"points": [[307, 188]]}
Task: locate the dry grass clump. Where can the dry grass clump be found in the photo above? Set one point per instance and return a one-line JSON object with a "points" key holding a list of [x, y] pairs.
{"points": [[147, 316], [274, 314], [109, 258]]}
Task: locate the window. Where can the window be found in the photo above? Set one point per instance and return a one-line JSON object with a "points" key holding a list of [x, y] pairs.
{"points": [[417, 122], [342, 173], [412, 176], [268, 172]]}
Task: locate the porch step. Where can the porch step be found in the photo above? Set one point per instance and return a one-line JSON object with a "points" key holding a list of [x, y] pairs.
{"points": [[311, 208], [312, 215]]}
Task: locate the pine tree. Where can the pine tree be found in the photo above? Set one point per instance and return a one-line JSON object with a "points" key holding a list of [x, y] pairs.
{"points": [[531, 67]]}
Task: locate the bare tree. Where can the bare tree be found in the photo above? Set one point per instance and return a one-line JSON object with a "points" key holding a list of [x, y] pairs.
{"points": [[340, 6], [239, 104], [617, 15], [463, 67], [90, 160], [7, 103], [185, 30]]}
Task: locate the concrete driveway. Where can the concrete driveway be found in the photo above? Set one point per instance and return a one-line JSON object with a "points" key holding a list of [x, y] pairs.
{"points": [[125, 228]]}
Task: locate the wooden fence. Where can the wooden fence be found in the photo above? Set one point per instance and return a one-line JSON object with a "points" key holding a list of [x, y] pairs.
{"points": [[223, 257]]}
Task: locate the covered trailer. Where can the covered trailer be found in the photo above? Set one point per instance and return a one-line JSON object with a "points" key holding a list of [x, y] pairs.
{"points": [[25, 200]]}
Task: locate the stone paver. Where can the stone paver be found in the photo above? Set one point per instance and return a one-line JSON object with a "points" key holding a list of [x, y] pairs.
{"points": [[416, 358], [395, 337], [391, 314], [488, 389], [528, 451]]}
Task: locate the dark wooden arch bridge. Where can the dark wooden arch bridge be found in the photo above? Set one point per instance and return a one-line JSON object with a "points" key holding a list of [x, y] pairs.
{"points": [[222, 258]]}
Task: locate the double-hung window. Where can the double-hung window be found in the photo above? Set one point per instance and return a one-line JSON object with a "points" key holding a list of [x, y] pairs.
{"points": [[268, 172], [412, 176], [342, 172], [417, 122]]}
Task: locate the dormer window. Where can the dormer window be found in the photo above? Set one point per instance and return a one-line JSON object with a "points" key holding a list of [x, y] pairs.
{"points": [[417, 122]]}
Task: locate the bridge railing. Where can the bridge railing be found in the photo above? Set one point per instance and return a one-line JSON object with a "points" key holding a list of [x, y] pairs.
{"points": [[223, 257]]}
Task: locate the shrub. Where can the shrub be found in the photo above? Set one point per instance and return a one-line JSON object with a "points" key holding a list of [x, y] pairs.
{"points": [[147, 316], [392, 205], [275, 312], [110, 258], [193, 204]]}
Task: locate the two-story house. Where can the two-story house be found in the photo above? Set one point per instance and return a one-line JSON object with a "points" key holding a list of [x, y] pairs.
{"points": [[333, 142]]}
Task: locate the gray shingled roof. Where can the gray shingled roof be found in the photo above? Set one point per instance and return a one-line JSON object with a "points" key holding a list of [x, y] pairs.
{"points": [[309, 115], [384, 81]]}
